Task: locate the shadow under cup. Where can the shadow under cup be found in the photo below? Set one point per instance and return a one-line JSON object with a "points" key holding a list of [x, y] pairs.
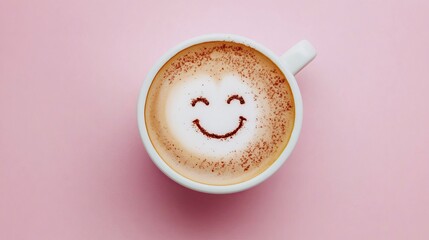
{"points": [[218, 113]]}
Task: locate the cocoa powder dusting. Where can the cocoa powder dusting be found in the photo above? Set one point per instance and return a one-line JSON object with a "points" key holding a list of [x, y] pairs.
{"points": [[270, 87]]}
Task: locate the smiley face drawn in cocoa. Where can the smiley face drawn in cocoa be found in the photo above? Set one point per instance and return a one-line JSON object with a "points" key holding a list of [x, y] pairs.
{"points": [[214, 135], [212, 116]]}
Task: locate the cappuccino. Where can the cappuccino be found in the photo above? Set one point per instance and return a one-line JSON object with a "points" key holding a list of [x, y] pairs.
{"points": [[219, 113]]}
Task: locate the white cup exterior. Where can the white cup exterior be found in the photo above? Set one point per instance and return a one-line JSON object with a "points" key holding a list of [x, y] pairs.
{"points": [[288, 65]]}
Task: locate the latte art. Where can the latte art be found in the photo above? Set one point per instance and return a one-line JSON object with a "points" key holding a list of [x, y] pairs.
{"points": [[197, 111], [219, 113]]}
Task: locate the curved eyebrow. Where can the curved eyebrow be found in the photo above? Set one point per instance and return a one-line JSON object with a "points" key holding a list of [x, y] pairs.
{"points": [[237, 97], [199, 99]]}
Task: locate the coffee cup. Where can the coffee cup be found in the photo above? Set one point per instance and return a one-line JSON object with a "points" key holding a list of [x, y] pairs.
{"points": [[221, 113]]}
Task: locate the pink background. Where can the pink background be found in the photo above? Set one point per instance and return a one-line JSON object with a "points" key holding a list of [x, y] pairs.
{"points": [[72, 165]]}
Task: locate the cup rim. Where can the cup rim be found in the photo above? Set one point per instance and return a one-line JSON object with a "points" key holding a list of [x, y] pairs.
{"points": [[219, 189]]}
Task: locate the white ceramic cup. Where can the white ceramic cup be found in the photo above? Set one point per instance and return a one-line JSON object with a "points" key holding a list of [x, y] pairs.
{"points": [[289, 63]]}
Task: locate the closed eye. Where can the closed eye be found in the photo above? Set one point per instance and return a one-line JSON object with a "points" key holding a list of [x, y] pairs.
{"points": [[199, 99], [236, 97]]}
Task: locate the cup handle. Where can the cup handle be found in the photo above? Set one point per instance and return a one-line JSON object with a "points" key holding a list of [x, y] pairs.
{"points": [[297, 57]]}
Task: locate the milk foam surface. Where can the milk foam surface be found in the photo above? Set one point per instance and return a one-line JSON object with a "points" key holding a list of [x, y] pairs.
{"points": [[219, 113], [218, 117]]}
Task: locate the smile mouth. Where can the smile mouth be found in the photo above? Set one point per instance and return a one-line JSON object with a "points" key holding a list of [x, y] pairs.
{"points": [[220, 136]]}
